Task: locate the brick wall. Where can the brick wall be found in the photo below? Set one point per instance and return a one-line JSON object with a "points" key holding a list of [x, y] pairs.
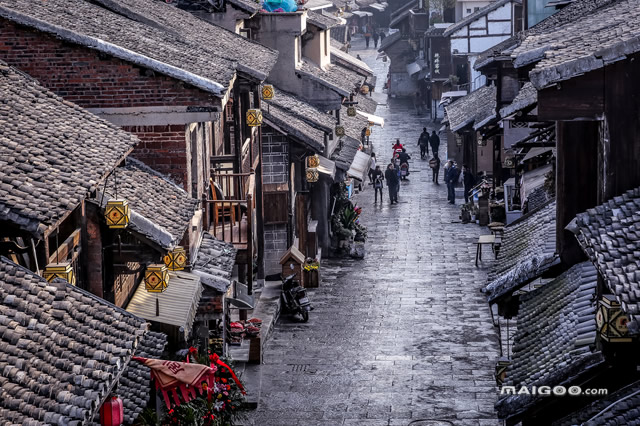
{"points": [[164, 149], [275, 156], [89, 78]]}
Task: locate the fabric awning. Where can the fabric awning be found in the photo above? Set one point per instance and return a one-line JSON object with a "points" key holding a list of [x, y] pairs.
{"points": [[360, 166], [361, 13], [413, 68], [327, 166], [534, 152], [377, 120], [178, 304]]}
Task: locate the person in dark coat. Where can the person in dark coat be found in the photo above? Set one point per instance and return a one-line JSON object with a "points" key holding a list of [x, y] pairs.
{"points": [[434, 141], [434, 163], [376, 37], [391, 176], [382, 36], [468, 180], [378, 183], [451, 178], [423, 142]]}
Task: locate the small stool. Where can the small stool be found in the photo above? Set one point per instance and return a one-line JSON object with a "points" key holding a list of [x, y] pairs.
{"points": [[484, 239]]}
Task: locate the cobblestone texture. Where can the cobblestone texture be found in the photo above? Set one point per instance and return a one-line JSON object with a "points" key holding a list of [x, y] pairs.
{"points": [[403, 336]]}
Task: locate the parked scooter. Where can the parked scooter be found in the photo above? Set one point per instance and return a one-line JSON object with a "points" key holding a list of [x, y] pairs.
{"points": [[294, 298]]}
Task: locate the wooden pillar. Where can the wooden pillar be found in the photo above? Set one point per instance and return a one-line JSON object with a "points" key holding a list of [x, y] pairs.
{"points": [[301, 221], [576, 180]]}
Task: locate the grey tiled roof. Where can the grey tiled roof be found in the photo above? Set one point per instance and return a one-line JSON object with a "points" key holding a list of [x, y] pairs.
{"points": [[223, 45], [389, 41], [475, 15], [344, 156], [349, 61], [618, 408], [52, 153], [135, 382], [473, 108], [528, 249], [526, 97], [295, 127], [353, 125], [303, 111], [555, 338], [247, 5], [610, 235], [537, 198], [334, 77], [321, 20], [214, 262], [153, 197], [148, 41], [590, 42], [570, 13], [401, 13], [61, 348], [365, 103]]}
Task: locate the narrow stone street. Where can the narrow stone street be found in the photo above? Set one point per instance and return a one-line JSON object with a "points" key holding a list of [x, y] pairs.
{"points": [[403, 336]]}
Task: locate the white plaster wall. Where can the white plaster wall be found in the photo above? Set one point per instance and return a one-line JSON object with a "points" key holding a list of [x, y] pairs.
{"points": [[503, 12], [500, 27], [478, 33], [459, 44], [481, 44], [481, 22]]}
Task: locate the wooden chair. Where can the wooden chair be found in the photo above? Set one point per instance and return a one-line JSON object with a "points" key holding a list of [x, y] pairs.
{"points": [[220, 211]]}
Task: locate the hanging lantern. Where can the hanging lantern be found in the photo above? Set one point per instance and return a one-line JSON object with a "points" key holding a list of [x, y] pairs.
{"points": [[351, 111], [312, 174], [117, 214], [611, 320], [254, 117], [156, 278], [112, 412], [62, 270], [267, 92], [313, 160], [176, 259], [364, 89], [339, 131]]}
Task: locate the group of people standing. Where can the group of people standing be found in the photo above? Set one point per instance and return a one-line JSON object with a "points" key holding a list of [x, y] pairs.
{"points": [[377, 34], [424, 141]]}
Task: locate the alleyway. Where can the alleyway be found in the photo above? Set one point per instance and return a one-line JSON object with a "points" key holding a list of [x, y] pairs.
{"points": [[403, 336]]}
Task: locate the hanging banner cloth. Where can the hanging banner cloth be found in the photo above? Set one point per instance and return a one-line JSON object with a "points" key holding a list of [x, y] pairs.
{"points": [[174, 376]]}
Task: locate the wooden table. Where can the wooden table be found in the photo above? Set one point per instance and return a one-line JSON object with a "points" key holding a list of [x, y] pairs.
{"points": [[484, 239]]}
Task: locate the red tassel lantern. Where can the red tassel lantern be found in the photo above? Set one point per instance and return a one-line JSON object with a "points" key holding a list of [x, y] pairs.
{"points": [[112, 412]]}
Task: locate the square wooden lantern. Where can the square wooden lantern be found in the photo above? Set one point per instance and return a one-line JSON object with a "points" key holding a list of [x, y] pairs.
{"points": [[351, 111], [292, 263], [267, 92], [62, 270], [254, 118], [312, 174], [611, 320], [117, 214], [176, 259], [156, 278], [339, 131]]}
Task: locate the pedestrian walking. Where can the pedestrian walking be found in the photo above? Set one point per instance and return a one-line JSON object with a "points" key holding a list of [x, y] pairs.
{"points": [[367, 35], [372, 166], [434, 141], [382, 36], [451, 178], [423, 142], [376, 37], [378, 179], [468, 180], [393, 182], [434, 163]]}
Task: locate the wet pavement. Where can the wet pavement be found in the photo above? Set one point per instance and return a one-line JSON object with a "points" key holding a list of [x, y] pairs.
{"points": [[402, 337]]}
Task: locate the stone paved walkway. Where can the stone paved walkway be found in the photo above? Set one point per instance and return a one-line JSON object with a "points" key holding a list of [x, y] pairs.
{"points": [[401, 337]]}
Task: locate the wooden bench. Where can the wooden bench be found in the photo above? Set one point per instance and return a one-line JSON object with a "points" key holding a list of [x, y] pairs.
{"points": [[485, 239]]}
